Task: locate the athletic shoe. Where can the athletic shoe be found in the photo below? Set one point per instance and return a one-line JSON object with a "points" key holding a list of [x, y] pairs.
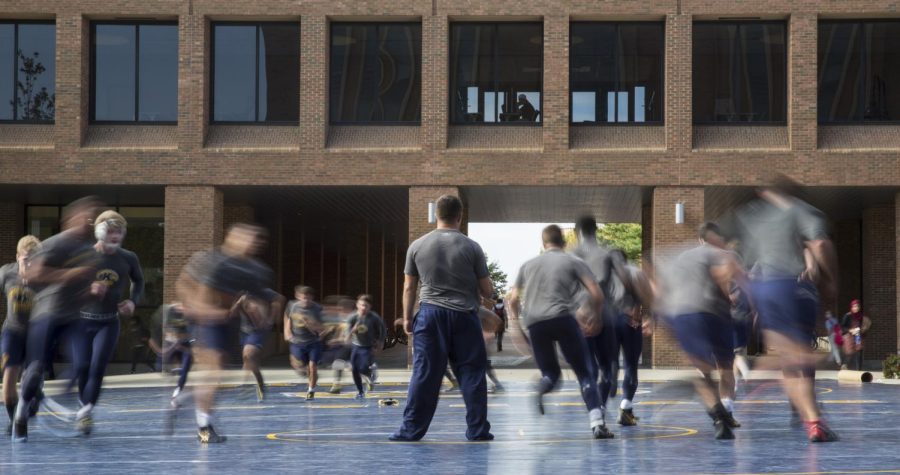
{"points": [[20, 431], [398, 437], [310, 395], [207, 435], [359, 396], [729, 419], [497, 388], [819, 432], [627, 418], [482, 438], [723, 431], [260, 393], [9, 429], [373, 370], [370, 384], [601, 432], [84, 425], [335, 389]]}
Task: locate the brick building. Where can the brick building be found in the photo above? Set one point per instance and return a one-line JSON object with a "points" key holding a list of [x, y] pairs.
{"points": [[335, 123]]}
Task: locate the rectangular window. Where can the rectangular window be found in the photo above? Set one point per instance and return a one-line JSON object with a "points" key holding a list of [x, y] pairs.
{"points": [[375, 73], [27, 71], [134, 73], [616, 69], [256, 72], [859, 68], [496, 72], [740, 72]]}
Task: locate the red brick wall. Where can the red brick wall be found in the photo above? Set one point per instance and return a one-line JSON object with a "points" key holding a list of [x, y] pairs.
{"points": [[879, 277], [193, 223]]}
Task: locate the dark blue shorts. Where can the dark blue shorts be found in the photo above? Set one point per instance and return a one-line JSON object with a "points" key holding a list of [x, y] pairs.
{"points": [[786, 307], [706, 337], [257, 338], [212, 336], [308, 352], [12, 347]]}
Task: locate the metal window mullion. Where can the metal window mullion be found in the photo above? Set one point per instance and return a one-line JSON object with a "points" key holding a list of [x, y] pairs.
{"points": [[256, 71], [137, 71], [15, 96], [496, 86]]}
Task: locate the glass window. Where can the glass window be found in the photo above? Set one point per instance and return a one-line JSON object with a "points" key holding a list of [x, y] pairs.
{"points": [[375, 72], [859, 63], [256, 72], [740, 72], [146, 236], [27, 71], [496, 72], [43, 221], [135, 72], [616, 72]]}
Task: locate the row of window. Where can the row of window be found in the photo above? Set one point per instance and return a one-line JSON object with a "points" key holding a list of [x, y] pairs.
{"points": [[496, 72]]}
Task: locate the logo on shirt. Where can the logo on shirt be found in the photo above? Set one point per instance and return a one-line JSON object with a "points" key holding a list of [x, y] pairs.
{"points": [[361, 329], [21, 298], [108, 277]]}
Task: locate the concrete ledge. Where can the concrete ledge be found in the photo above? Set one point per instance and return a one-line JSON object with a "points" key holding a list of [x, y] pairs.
{"points": [[741, 137], [153, 137], [859, 137], [499, 137], [381, 137], [254, 137], [26, 136], [617, 137]]}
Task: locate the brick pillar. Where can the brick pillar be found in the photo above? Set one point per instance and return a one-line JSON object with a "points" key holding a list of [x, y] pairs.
{"points": [[435, 67], [193, 223], [879, 281], [555, 107], [667, 237], [193, 80], [12, 227], [678, 99], [646, 264], [71, 83], [313, 82], [803, 80], [897, 269], [237, 214]]}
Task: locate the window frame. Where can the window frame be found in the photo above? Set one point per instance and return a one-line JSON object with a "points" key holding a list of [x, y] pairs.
{"points": [[662, 74], [331, 24], [863, 22], [494, 74], [787, 66], [137, 77], [212, 73], [15, 23]]}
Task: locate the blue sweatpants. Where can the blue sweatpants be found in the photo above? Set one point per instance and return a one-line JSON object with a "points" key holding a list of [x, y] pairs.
{"points": [[565, 331], [604, 352], [360, 360], [631, 341], [93, 344], [44, 333], [439, 335]]}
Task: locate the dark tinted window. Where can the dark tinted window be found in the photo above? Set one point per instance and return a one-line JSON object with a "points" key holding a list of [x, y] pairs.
{"points": [[740, 72], [859, 68], [27, 71], [616, 72], [375, 72], [256, 72], [135, 72], [496, 72]]}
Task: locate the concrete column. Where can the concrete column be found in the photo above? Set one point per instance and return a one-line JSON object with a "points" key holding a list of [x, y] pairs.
{"points": [[194, 218], [879, 280], [668, 237]]}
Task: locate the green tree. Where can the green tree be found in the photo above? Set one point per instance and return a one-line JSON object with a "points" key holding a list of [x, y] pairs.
{"points": [[498, 277], [624, 236]]}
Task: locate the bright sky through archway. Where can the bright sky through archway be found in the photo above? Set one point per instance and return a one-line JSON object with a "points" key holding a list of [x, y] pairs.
{"points": [[510, 244]]}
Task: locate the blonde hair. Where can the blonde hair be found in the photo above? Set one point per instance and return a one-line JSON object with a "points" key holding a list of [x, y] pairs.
{"points": [[27, 244], [113, 220]]}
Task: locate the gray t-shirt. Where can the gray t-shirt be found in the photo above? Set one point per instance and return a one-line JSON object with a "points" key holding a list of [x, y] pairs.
{"points": [[549, 284], [369, 330], [689, 287], [112, 271], [596, 257], [65, 251], [775, 237], [19, 298], [449, 266], [298, 315]]}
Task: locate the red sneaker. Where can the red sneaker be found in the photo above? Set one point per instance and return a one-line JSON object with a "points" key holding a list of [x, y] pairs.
{"points": [[817, 431]]}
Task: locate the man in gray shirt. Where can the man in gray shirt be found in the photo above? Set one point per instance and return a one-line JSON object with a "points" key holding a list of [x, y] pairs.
{"points": [[696, 299], [777, 230], [545, 293], [454, 276], [366, 333]]}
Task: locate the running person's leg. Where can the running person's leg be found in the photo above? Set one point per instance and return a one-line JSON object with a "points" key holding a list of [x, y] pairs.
{"points": [[252, 354], [315, 357], [360, 360], [12, 352], [82, 353], [209, 354], [341, 360], [574, 348], [605, 350], [543, 346], [632, 341], [104, 344]]}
